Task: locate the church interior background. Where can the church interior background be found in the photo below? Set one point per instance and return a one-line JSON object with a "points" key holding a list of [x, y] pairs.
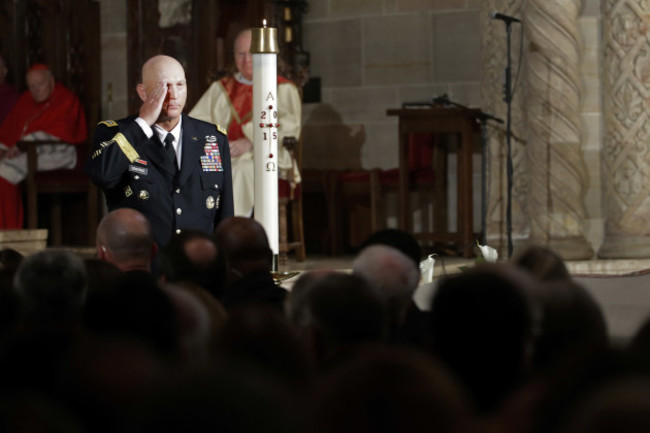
{"points": [[580, 127]]}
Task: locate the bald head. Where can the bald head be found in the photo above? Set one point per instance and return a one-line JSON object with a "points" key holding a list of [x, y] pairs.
{"points": [[244, 244], [167, 70], [124, 237]]}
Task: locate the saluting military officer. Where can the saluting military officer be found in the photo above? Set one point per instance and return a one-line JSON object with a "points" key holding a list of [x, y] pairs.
{"points": [[171, 167]]}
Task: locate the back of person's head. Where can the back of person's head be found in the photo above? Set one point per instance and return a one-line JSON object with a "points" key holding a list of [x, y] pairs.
{"points": [[393, 274], [344, 312], [138, 310], [481, 326], [572, 324], [232, 400], [542, 263], [103, 276], [243, 246], [191, 256], [399, 239], [9, 303], [621, 406], [389, 389], [51, 286], [10, 258], [296, 303], [194, 326], [260, 339], [124, 237]]}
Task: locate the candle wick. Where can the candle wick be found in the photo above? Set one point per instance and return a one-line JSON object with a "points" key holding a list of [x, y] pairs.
{"points": [[264, 22]]}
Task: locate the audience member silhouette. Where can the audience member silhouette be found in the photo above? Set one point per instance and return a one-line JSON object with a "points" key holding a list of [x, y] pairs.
{"points": [[399, 239], [51, 287], [10, 258], [572, 324], [260, 339], [621, 406], [138, 310], [415, 327], [542, 263], [191, 256], [195, 330], [124, 237], [482, 330], [390, 389], [341, 313], [233, 400], [394, 275], [246, 258], [9, 306]]}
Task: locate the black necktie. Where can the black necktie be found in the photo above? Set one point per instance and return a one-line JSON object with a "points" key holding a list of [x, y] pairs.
{"points": [[169, 148]]}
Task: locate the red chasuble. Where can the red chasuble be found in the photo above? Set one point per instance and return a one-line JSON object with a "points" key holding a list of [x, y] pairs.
{"points": [[61, 116], [241, 104]]}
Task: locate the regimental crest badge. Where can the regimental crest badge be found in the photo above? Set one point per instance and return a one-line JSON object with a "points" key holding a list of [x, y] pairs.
{"points": [[209, 202], [128, 192], [143, 194], [211, 160]]}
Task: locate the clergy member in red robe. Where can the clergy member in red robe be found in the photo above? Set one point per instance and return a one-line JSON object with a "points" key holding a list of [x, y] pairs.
{"points": [[46, 111]]}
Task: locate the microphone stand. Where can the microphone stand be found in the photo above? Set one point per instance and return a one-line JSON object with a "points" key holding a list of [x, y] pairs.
{"points": [[482, 118], [509, 169]]}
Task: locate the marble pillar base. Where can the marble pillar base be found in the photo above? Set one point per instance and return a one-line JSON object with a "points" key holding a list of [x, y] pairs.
{"points": [[625, 247]]}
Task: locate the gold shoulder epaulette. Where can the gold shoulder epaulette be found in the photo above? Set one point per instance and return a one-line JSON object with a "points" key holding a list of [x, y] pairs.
{"points": [[222, 130], [109, 123]]}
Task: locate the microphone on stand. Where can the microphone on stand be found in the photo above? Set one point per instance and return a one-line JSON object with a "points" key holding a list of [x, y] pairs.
{"points": [[506, 18]]}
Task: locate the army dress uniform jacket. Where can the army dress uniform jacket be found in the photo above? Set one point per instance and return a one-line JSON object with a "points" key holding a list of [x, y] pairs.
{"points": [[134, 171]]}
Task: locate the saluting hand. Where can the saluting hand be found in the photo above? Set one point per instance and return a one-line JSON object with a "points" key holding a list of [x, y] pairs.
{"points": [[153, 104]]}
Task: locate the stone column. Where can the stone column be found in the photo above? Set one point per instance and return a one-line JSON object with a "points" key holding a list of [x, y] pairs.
{"points": [[556, 167], [626, 106], [494, 63]]}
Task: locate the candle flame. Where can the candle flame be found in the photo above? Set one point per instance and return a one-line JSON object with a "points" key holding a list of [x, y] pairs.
{"points": [[264, 22]]}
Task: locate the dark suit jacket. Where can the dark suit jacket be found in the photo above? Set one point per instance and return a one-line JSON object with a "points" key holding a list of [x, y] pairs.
{"points": [[134, 171]]}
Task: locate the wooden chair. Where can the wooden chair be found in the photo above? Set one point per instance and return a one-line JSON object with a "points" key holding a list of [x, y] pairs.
{"points": [[290, 199], [55, 183], [369, 187]]}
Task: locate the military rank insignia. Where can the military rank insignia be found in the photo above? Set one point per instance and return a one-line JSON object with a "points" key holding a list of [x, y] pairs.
{"points": [[211, 161], [109, 123]]}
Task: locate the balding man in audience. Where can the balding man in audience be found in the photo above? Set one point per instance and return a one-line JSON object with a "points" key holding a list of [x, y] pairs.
{"points": [[247, 259], [394, 274], [124, 238]]}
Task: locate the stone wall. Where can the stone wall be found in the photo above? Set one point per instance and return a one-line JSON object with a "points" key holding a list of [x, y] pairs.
{"points": [[372, 55]]}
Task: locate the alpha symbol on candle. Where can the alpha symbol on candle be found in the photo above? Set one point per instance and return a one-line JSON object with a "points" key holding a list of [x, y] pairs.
{"points": [[270, 96]]}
